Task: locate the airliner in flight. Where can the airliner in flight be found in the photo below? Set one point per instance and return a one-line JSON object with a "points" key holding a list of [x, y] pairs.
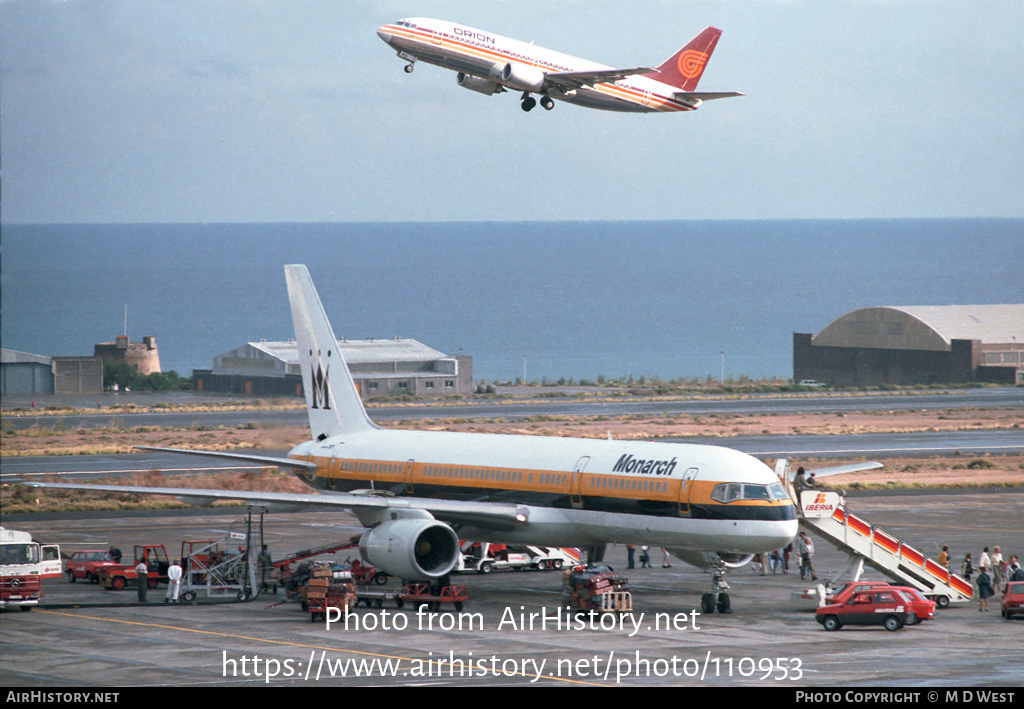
{"points": [[417, 492], [490, 64]]}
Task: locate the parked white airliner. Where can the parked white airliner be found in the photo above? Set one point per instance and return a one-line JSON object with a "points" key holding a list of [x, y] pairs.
{"points": [[489, 63], [418, 492]]}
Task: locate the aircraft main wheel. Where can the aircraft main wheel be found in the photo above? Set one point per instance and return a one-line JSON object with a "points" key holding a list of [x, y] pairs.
{"points": [[547, 103], [409, 68], [893, 623], [832, 623], [724, 605], [707, 603], [528, 103]]}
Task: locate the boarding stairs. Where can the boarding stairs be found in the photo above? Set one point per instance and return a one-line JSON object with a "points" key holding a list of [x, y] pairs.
{"points": [[866, 543]]}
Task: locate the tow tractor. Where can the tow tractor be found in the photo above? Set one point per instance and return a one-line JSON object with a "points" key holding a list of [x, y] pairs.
{"points": [[118, 577]]}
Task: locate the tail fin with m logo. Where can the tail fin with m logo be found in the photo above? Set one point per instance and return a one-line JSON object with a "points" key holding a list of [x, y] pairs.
{"points": [[332, 400]]}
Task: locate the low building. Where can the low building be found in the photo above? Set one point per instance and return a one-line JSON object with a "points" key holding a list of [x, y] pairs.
{"points": [[906, 345], [383, 368], [25, 373]]}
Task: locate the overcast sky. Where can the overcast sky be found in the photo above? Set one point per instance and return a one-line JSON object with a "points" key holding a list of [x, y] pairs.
{"points": [[244, 111]]}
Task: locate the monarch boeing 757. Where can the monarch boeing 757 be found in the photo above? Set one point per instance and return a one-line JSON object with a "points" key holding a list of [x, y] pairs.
{"points": [[490, 64], [417, 492]]}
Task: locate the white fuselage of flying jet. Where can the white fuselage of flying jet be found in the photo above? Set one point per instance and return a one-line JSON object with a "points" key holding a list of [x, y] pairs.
{"points": [[476, 53]]}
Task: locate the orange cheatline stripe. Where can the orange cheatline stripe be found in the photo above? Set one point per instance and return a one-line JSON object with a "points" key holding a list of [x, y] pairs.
{"points": [[627, 94], [289, 643]]}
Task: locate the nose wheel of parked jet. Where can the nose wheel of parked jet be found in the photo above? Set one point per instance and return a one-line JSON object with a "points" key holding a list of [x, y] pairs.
{"points": [[718, 598]]}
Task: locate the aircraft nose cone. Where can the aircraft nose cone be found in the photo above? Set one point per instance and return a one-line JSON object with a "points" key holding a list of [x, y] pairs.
{"points": [[384, 35]]}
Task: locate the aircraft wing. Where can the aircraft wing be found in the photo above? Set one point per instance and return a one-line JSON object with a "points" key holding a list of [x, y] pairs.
{"points": [[242, 457], [491, 515], [569, 80]]}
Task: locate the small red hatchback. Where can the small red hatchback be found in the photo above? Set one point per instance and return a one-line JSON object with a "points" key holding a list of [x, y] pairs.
{"points": [[1013, 600], [880, 606]]}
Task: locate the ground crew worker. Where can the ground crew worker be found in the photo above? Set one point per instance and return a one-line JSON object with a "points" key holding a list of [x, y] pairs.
{"points": [[143, 579]]}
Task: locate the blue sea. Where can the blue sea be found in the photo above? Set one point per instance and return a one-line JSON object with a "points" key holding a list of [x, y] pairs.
{"points": [[553, 299]]}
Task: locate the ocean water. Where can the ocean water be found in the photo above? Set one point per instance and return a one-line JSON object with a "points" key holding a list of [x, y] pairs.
{"points": [[558, 299]]}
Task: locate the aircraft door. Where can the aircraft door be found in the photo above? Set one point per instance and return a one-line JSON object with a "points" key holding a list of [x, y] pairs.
{"points": [[407, 476], [685, 489], [575, 497]]}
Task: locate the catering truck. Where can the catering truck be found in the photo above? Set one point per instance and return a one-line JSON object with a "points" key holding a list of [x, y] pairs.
{"points": [[23, 565]]}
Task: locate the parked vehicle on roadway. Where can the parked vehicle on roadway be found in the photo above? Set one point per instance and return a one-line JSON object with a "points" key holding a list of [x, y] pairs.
{"points": [[1013, 600], [86, 565], [24, 563], [882, 606]]}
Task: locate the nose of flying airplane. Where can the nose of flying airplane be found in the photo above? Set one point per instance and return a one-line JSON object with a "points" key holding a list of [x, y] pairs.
{"points": [[384, 34]]}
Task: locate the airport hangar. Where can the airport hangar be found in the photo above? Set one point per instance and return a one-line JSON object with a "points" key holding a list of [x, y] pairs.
{"points": [[384, 368], [907, 345]]}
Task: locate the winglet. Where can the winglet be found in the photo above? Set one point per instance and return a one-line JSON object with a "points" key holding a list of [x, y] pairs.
{"points": [[332, 400], [684, 68]]}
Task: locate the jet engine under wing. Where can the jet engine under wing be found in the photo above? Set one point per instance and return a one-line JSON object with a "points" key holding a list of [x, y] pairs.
{"points": [[490, 515], [242, 457], [569, 80]]}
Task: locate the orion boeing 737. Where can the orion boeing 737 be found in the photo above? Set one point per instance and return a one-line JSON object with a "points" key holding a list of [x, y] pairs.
{"points": [[489, 64], [417, 492]]}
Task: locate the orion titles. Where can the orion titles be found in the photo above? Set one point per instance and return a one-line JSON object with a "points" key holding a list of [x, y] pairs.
{"points": [[628, 464]]}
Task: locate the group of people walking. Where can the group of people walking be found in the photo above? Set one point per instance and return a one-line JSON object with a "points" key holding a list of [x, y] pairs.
{"points": [[994, 573]]}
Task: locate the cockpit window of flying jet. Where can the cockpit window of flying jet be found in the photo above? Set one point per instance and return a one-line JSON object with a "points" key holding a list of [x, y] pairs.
{"points": [[488, 64]]}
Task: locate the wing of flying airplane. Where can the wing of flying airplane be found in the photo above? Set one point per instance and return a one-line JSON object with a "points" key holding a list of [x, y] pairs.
{"points": [[570, 80]]}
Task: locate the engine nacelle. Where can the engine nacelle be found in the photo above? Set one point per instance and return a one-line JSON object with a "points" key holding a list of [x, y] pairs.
{"points": [[517, 76], [712, 559], [475, 83], [411, 549]]}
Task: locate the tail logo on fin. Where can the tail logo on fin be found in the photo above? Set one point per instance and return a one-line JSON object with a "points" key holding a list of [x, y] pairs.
{"points": [[691, 63], [321, 398]]}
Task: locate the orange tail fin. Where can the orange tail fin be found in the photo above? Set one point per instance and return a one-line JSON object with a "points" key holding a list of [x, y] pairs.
{"points": [[684, 68]]}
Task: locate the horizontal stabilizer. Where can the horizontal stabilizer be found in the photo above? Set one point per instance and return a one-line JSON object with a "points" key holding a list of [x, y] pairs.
{"points": [[705, 95]]}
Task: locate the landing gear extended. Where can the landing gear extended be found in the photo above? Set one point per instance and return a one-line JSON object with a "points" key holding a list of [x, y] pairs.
{"points": [[529, 102], [718, 598]]}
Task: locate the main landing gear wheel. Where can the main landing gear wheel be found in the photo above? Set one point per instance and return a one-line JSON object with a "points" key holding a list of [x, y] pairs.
{"points": [[707, 603], [547, 103], [528, 103]]}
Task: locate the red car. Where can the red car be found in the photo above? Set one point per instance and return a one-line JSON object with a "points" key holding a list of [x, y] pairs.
{"points": [[920, 607], [87, 564], [880, 606], [1013, 600], [843, 593]]}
